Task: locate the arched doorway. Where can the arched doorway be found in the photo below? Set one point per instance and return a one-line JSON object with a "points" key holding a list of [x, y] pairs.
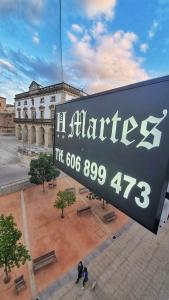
{"points": [[41, 136], [33, 135], [50, 137], [25, 134]]}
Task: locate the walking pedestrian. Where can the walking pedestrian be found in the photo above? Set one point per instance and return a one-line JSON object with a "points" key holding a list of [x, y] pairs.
{"points": [[85, 277], [80, 271]]}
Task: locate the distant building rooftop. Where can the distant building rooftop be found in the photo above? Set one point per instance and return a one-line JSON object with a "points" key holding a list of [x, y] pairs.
{"points": [[36, 89]]}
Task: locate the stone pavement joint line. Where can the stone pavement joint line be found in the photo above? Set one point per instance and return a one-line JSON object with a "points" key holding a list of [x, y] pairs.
{"points": [[134, 266], [26, 238]]}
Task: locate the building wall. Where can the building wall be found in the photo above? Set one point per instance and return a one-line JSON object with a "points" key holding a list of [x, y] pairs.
{"points": [[10, 108], [20, 104], [2, 103], [7, 114], [7, 124], [59, 98], [38, 131]]}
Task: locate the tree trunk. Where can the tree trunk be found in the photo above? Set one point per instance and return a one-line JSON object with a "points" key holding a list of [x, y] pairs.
{"points": [[43, 186], [7, 277], [62, 216]]}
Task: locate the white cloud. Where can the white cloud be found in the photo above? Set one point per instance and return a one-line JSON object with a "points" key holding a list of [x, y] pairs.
{"points": [[97, 8], [31, 10], [98, 29], [54, 48], [10, 88], [6, 65], [6, 5], [77, 28], [108, 63], [153, 29], [35, 38], [144, 47], [71, 37], [86, 38]]}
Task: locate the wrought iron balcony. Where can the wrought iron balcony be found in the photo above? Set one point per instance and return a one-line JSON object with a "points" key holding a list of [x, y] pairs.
{"points": [[34, 121]]}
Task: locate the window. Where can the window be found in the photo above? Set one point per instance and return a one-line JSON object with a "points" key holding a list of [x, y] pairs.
{"points": [[26, 115], [19, 114], [32, 101], [33, 114], [42, 100], [25, 102], [42, 114], [19, 103], [52, 114], [52, 99]]}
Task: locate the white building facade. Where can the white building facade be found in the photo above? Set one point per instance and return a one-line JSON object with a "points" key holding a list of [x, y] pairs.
{"points": [[34, 112]]}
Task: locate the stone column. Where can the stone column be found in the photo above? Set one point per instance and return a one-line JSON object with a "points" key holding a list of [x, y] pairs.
{"points": [[29, 137], [37, 136], [17, 132], [46, 137], [22, 133]]}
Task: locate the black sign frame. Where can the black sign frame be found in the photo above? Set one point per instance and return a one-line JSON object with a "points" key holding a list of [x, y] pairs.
{"points": [[129, 106]]}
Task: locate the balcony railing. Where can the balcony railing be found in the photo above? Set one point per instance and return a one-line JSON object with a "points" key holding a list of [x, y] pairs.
{"points": [[37, 121]]}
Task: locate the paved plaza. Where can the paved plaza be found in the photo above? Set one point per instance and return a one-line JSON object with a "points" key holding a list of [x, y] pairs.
{"points": [[125, 259], [134, 266], [12, 168], [72, 238]]}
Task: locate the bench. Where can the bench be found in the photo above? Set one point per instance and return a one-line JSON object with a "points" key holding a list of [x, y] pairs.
{"points": [[44, 260], [83, 209], [72, 190], [51, 184], [109, 217], [83, 190], [93, 196], [19, 283]]}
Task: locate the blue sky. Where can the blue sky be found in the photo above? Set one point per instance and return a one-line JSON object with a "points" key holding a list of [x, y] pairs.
{"points": [[105, 44]]}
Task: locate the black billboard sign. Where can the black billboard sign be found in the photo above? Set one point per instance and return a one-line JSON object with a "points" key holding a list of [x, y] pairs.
{"points": [[116, 143]]}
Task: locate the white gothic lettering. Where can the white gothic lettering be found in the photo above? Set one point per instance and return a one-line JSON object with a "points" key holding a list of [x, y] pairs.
{"points": [[94, 128]]}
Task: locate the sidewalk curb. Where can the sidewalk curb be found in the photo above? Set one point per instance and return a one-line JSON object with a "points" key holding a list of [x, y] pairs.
{"points": [[15, 186]]}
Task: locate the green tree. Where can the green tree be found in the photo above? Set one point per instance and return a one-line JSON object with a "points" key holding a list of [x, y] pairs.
{"points": [[92, 196], [64, 199], [11, 253], [42, 169]]}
